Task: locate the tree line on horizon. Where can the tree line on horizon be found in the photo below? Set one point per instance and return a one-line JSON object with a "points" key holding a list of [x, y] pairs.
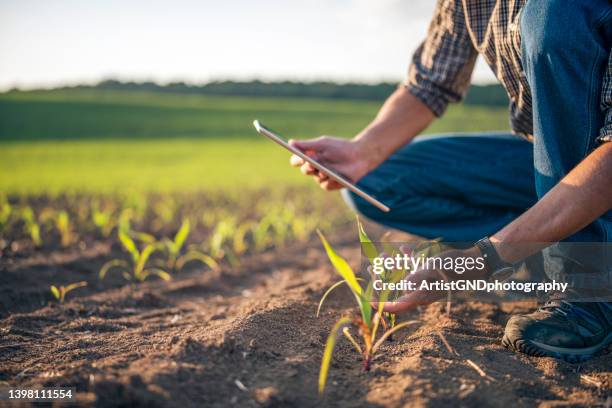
{"points": [[489, 95]]}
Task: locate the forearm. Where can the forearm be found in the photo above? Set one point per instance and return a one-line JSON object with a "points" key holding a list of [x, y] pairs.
{"points": [[402, 117], [575, 202]]}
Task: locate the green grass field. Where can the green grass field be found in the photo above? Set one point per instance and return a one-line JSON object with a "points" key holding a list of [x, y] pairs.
{"points": [[115, 141]]}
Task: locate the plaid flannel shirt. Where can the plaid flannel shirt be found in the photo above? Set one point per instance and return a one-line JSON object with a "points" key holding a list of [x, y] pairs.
{"points": [[460, 30]]}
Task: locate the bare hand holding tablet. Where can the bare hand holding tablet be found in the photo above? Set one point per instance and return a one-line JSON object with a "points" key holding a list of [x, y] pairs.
{"points": [[324, 170]]}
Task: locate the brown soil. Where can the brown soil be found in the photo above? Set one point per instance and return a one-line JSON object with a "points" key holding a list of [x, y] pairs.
{"points": [[248, 336]]}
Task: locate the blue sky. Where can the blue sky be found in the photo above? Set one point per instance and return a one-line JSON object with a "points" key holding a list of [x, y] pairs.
{"points": [[44, 43]]}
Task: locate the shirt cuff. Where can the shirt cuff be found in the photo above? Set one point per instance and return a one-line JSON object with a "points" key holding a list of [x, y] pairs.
{"points": [[605, 134], [429, 96]]}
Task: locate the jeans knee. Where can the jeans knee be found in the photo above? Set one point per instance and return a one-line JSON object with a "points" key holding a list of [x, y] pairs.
{"points": [[547, 27], [360, 206]]}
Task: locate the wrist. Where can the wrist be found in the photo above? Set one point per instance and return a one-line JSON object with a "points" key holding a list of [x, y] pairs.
{"points": [[495, 265], [475, 273], [369, 149]]}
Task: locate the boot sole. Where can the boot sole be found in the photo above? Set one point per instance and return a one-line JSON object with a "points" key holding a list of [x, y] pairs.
{"points": [[571, 355]]}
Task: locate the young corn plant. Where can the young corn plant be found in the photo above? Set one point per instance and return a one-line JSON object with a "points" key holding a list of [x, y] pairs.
{"points": [[366, 324], [137, 269], [60, 292], [173, 248], [239, 243], [103, 220], [5, 213], [370, 251], [219, 244], [30, 226], [164, 211], [262, 234], [64, 227], [302, 227]]}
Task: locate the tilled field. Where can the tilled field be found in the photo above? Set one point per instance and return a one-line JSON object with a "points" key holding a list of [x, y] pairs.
{"points": [[247, 335]]}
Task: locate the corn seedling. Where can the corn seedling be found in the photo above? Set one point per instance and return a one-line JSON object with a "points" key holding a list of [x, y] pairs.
{"points": [[302, 227], [138, 269], [262, 234], [366, 323], [5, 213], [220, 239], [30, 226], [164, 211], [222, 233], [103, 220], [137, 204], [125, 220], [64, 227], [240, 244], [60, 292], [370, 251], [173, 249]]}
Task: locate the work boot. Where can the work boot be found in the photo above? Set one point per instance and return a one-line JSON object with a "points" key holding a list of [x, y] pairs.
{"points": [[572, 331]]}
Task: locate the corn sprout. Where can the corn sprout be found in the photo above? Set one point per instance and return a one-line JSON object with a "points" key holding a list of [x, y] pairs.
{"points": [[367, 323], [5, 213], [103, 220], [64, 227], [138, 269], [30, 226], [175, 260], [60, 292]]}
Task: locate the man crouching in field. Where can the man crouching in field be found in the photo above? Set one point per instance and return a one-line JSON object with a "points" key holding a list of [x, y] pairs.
{"points": [[552, 184]]}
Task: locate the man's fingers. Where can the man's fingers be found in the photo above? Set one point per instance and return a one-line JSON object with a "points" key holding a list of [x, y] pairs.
{"points": [[308, 170], [411, 300], [314, 148], [296, 161], [330, 185]]}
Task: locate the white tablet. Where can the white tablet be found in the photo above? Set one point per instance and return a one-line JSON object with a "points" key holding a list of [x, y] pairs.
{"points": [[261, 129]]}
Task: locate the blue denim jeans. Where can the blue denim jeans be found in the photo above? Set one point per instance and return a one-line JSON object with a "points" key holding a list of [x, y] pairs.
{"points": [[465, 187], [457, 187]]}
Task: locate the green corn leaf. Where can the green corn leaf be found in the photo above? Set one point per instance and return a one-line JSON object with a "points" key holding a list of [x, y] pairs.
{"points": [[143, 258], [390, 332], [181, 235], [74, 286], [144, 237], [382, 298], [155, 271], [129, 245], [115, 263], [366, 307], [367, 246], [347, 333], [390, 249], [342, 267], [239, 244], [63, 221], [346, 272], [55, 291], [328, 292], [35, 234], [329, 350], [197, 256]]}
